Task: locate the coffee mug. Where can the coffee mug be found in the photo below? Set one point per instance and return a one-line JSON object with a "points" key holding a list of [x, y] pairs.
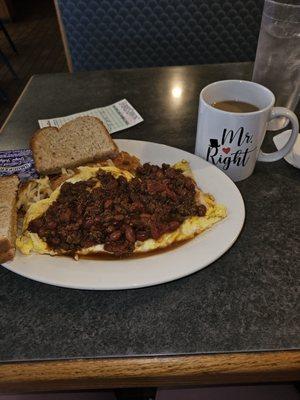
{"points": [[232, 141]]}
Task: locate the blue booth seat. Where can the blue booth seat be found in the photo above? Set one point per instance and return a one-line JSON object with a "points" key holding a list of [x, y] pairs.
{"points": [[104, 34]]}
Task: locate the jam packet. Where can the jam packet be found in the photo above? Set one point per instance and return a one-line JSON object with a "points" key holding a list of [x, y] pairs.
{"points": [[19, 162]]}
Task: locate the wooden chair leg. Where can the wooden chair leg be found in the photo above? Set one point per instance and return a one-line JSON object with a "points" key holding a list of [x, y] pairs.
{"points": [[8, 37], [8, 64]]}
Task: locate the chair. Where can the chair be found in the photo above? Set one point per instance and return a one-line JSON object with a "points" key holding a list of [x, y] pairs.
{"points": [[3, 95], [104, 34], [6, 61], [4, 58], [2, 27]]}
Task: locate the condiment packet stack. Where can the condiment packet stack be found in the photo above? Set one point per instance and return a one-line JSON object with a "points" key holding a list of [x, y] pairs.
{"points": [[18, 162]]}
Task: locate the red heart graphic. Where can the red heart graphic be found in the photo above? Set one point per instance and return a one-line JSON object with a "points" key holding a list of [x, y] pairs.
{"points": [[226, 149]]}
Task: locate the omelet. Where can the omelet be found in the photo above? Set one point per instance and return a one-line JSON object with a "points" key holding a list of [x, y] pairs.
{"points": [[29, 242]]}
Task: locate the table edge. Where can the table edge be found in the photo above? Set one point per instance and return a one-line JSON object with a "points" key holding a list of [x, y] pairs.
{"points": [[158, 371]]}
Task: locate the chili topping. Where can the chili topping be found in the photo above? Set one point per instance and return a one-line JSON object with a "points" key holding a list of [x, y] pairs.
{"points": [[116, 212]]}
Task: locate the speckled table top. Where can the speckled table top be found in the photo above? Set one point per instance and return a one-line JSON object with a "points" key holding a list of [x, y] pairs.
{"points": [[245, 301]]}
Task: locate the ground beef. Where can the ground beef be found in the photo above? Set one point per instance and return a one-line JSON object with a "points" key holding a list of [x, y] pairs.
{"points": [[117, 213]]}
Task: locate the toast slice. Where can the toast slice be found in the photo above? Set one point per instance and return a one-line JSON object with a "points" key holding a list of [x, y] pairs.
{"points": [[8, 216], [82, 140]]}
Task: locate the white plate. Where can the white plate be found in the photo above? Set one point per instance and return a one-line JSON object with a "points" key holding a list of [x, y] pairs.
{"points": [[159, 268]]}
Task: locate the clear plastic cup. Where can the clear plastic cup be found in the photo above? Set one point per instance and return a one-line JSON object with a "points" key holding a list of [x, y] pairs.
{"points": [[277, 62]]}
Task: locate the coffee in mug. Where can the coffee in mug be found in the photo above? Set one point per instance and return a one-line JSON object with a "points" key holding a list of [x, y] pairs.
{"points": [[235, 106], [231, 139]]}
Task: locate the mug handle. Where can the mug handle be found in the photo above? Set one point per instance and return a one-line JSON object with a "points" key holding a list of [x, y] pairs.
{"points": [[277, 155]]}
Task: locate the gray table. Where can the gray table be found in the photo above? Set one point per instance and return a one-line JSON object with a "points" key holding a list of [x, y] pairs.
{"points": [[206, 328]]}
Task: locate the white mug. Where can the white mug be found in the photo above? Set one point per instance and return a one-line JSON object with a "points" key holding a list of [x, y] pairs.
{"points": [[232, 141]]}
